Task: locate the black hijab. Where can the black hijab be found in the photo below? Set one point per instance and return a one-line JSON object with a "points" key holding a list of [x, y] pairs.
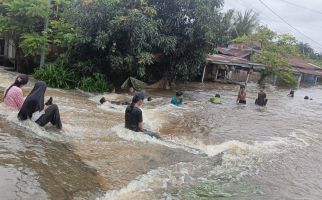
{"points": [[22, 79], [34, 101]]}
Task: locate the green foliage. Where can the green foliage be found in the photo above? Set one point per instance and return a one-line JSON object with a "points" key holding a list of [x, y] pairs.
{"points": [[286, 79], [61, 33], [124, 36], [244, 23], [56, 76], [33, 44], [23, 16], [275, 51], [95, 83]]}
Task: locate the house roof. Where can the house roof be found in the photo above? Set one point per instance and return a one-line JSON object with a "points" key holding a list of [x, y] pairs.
{"points": [[301, 63], [235, 52], [232, 60], [301, 66]]}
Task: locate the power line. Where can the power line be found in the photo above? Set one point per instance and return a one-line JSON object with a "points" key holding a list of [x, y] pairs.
{"points": [[255, 9], [281, 18], [300, 6]]}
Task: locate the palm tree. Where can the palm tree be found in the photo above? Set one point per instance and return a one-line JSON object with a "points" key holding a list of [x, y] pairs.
{"points": [[244, 23]]}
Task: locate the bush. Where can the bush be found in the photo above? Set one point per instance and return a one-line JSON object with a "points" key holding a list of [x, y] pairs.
{"points": [[56, 76], [286, 79], [95, 83]]}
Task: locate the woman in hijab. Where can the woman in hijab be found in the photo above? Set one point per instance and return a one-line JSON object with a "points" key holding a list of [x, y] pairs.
{"points": [[13, 95], [34, 108]]}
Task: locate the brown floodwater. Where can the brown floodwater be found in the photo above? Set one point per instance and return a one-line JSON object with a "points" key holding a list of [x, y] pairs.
{"points": [[208, 151]]}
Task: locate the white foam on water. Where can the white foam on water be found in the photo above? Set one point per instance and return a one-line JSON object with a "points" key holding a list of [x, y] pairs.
{"points": [[301, 138], [143, 138], [273, 145], [235, 146], [235, 164], [29, 125], [140, 188]]}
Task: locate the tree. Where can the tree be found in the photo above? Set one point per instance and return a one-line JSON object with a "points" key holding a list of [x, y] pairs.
{"points": [[244, 23], [145, 38], [275, 51], [23, 20], [192, 24]]}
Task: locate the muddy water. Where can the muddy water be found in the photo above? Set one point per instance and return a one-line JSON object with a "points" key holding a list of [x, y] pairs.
{"points": [[208, 152]]}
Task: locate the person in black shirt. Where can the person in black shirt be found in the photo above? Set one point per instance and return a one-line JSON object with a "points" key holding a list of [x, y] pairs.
{"points": [[134, 118], [261, 100]]}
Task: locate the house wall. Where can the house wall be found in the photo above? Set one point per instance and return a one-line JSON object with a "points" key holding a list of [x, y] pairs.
{"points": [[233, 75], [307, 78], [211, 71], [241, 76], [319, 80]]}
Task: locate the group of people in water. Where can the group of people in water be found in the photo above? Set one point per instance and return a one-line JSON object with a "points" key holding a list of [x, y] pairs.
{"points": [[35, 108], [241, 97]]}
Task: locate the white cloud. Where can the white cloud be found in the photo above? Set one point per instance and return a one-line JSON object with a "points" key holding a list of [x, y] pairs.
{"points": [[305, 20]]}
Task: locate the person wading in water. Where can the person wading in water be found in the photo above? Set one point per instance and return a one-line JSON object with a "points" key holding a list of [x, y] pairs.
{"points": [[34, 108], [134, 118], [241, 99], [261, 99], [13, 95]]}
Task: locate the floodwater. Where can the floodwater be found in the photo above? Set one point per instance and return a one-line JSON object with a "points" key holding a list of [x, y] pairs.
{"points": [[207, 152]]}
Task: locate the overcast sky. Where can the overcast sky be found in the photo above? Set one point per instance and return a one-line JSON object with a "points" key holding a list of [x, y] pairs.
{"points": [[307, 21]]}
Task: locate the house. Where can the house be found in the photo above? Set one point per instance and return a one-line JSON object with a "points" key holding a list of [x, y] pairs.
{"points": [[7, 50], [306, 72], [230, 69], [241, 53]]}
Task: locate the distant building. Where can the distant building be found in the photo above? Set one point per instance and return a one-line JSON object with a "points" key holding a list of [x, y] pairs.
{"points": [[230, 69], [306, 72], [232, 65]]}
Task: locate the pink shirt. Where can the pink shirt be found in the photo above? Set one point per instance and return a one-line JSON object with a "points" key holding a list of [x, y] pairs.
{"points": [[14, 98]]}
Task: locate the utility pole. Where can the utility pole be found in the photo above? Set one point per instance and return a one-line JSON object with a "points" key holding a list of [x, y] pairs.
{"points": [[42, 56]]}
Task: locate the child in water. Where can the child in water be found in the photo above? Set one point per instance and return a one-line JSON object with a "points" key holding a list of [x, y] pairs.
{"points": [[261, 99], [177, 100], [216, 99], [241, 99]]}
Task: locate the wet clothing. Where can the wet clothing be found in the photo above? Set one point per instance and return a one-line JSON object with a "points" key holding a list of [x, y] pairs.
{"points": [[33, 108], [13, 98], [242, 101], [176, 101], [261, 99], [215, 100], [133, 116], [152, 134], [34, 101], [51, 115]]}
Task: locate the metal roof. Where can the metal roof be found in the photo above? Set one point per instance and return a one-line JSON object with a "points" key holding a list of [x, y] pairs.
{"points": [[232, 60], [301, 66], [242, 53]]}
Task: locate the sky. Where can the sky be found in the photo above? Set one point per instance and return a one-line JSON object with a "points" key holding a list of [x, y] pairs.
{"points": [[307, 21]]}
